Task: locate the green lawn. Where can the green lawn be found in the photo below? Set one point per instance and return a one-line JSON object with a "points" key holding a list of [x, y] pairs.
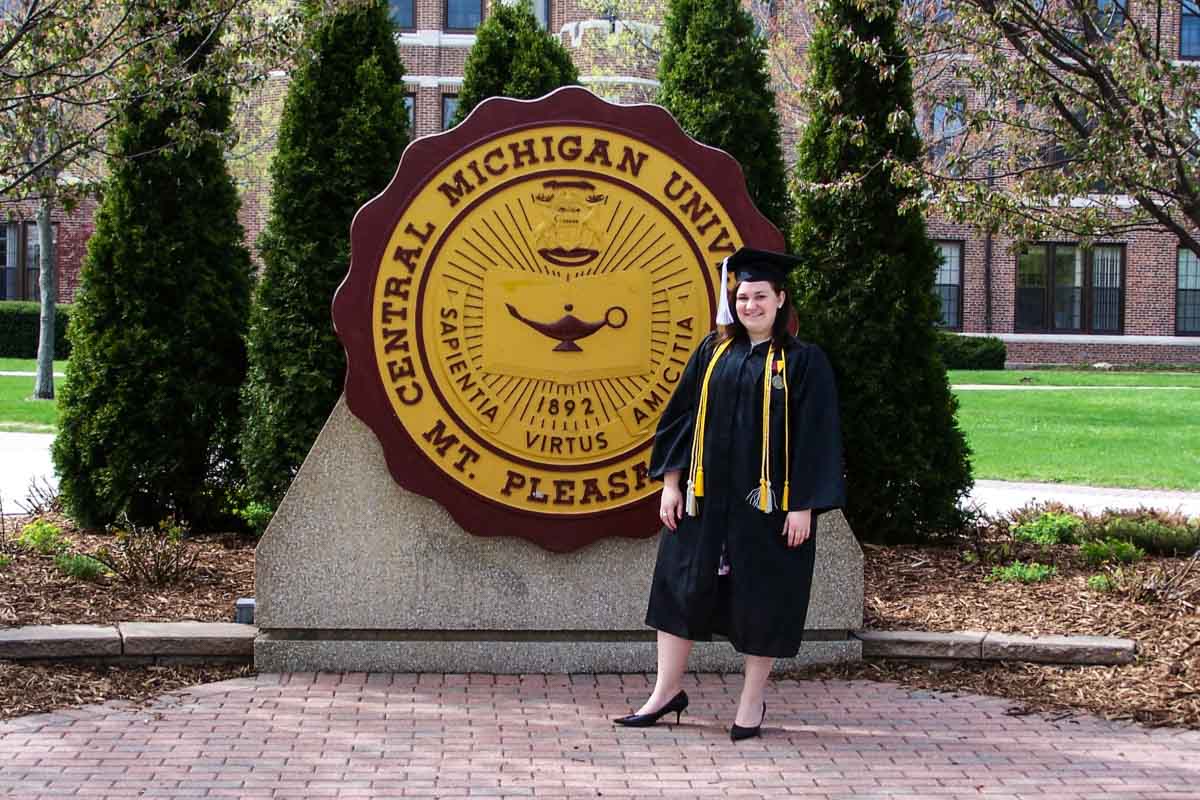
{"points": [[1054, 377], [1144, 439], [27, 365], [19, 413]]}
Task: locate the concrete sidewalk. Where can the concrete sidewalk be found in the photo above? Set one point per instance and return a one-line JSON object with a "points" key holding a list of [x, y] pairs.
{"points": [[997, 497], [390, 736], [25, 456]]}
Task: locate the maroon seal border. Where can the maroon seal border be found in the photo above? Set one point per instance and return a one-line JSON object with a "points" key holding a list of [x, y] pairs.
{"points": [[371, 230]]}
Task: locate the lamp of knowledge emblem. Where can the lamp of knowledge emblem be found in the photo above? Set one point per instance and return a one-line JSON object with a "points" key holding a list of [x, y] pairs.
{"points": [[522, 300]]}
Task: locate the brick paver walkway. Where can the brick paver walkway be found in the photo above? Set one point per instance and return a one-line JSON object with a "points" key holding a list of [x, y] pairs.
{"points": [[360, 736]]}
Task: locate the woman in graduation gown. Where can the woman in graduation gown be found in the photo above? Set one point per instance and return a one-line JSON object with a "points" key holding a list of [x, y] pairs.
{"points": [[740, 500]]}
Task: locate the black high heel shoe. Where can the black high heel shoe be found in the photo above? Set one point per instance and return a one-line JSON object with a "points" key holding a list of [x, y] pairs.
{"points": [[678, 704], [737, 732]]}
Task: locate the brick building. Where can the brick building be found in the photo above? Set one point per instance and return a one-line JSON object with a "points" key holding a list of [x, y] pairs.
{"points": [[1130, 299]]}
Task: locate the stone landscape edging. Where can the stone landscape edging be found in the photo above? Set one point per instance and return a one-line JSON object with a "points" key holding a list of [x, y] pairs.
{"points": [[131, 643], [228, 642]]}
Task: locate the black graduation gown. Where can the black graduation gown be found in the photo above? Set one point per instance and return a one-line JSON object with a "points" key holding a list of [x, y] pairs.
{"points": [[761, 605]]}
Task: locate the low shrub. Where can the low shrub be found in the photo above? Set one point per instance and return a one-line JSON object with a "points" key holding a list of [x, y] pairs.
{"points": [[1050, 528], [1101, 583], [971, 352], [1018, 572], [1110, 551], [256, 515], [152, 555], [1150, 535], [20, 324], [79, 566], [5, 561], [43, 537]]}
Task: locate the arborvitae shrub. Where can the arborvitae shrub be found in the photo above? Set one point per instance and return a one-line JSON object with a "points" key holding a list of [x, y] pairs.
{"points": [[149, 410], [714, 80], [865, 290], [341, 134], [512, 57]]}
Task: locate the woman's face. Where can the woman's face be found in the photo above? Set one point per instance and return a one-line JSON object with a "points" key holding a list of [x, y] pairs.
{"points": [[757, 304]]}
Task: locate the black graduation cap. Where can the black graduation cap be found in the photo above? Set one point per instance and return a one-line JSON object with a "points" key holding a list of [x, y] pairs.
{"points": [[749, 264]]}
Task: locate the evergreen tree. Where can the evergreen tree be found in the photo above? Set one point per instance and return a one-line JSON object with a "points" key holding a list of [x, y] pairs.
{"points": [[713, 79], [865, 293], [341, 134], [513, 57], [149, 410]]}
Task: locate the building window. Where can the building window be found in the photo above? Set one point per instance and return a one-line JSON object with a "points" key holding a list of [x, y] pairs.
{"points": [[8, 278], [449, 109], [1187, 294], [402, 14], [924, 12], [1189, 29], [463, 15], [541, 10], [1065, 288], [20, 260], [1109, 17], [947, 125], [410, 110], [948, 284]]}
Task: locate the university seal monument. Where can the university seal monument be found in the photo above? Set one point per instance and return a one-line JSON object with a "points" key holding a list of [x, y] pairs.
{"points": [[520, 303]]}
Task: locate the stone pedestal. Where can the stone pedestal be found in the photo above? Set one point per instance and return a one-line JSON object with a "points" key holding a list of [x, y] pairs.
{"points": [[356, 574]]}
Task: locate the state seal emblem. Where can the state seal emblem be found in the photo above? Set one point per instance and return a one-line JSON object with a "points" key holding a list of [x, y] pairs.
{"points": [[521, 301]]}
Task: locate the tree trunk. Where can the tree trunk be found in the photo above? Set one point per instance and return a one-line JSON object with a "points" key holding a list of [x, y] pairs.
{"points": [[43, 388]]}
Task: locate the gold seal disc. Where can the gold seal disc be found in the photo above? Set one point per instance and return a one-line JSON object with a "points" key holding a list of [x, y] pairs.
{"points": [[532, 305]]}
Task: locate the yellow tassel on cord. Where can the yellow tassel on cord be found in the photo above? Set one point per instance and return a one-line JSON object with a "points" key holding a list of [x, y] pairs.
{"points": [[786, 486], [696, 481]]}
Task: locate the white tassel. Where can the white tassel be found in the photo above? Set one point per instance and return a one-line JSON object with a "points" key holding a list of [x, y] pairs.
{"points": [[689, 504], [724, 314], [754, 497]]}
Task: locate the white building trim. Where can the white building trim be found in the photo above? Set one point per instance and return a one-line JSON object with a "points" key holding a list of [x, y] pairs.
{"points": [[1067, 338], [576, 30], [434, 38], [620, 80], [434, 81]]}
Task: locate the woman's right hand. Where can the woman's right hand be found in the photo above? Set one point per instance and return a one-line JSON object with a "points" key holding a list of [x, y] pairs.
{"points": [[670, 507]]}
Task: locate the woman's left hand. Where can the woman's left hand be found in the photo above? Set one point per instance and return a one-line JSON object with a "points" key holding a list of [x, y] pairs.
{"points": [[797, 527]]}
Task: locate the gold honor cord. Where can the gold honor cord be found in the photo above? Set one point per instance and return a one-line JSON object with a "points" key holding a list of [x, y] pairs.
{"points": [[762, 497], [695, 487]]}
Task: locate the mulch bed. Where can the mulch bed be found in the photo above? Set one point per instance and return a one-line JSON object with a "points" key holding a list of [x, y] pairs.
{"points": [[934, 589], [918, 588], [34, 592]]}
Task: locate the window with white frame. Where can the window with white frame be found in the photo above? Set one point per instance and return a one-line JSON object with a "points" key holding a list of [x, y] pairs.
{"points": [[1187, 294], [948, 284]]}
